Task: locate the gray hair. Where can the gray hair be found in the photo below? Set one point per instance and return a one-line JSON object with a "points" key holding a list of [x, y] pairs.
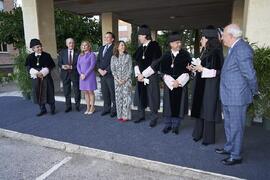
{"points": [[69, 39], [234, 30]]}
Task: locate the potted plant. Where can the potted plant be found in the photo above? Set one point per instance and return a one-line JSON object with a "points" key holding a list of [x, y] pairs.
{"points": [[262, 66], [21, 74]]}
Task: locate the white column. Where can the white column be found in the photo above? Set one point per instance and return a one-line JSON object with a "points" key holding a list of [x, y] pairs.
{"points": [[257, 21], [109, 23]]}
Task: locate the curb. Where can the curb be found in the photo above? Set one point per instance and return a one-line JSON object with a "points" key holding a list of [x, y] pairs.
{"points": [[119, 158]]}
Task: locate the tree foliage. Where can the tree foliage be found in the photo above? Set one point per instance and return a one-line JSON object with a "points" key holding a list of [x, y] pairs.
{"points": [[66, 25]]}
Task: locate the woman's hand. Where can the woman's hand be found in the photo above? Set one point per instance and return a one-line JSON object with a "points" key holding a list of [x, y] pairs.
{"points": [[198, 68], [82, 76]]}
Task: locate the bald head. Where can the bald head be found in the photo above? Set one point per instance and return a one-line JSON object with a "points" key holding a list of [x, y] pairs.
{"points": [[232, 33], [70, 43]]}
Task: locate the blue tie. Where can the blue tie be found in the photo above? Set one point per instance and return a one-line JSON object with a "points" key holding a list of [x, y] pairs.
{"points": [[105, 50]]}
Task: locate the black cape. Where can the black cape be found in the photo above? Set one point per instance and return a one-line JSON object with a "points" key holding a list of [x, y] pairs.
{"points": [[149, 95], [175, 102], [206, 102], [42, 90]]}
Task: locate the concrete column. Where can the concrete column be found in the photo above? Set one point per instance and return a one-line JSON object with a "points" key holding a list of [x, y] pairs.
{"points": [[256, 21], [109, 23], [38, 20], [238, 12]]}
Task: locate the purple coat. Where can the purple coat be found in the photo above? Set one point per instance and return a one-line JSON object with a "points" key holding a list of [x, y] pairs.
{"points": [[86, 65]]}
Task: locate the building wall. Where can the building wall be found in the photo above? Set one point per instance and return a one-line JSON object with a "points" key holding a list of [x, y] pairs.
{"points": [[257, 21], [7, 57], [124, 31]]}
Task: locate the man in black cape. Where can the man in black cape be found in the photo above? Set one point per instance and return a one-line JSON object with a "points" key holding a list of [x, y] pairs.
{"points": [[147, 93], [39, 65]]}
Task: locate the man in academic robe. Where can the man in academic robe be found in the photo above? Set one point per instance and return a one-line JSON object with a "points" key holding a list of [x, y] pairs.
{"points": [[173, 68], [39, 65], [147, 93], [67, 62], [107, 81]]}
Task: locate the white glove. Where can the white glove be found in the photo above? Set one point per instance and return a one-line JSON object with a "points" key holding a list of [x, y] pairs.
{"points": [[196, 62]]}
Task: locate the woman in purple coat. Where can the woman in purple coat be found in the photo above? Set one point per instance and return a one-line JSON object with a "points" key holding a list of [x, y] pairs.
{"points": [[86, 68]]}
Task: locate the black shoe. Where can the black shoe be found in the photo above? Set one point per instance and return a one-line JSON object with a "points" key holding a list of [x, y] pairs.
{"points": [[113, 114], [53, 112], [230, 161], [77, 109], [153, 123], [68, 109], [221, 151], [167, 129], [196, 140], [205, 144], [104, 113], [139, 120], [175, 130], [41, 113]]}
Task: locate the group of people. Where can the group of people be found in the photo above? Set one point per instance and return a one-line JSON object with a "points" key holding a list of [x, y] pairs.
{"points": [[229, 85]]}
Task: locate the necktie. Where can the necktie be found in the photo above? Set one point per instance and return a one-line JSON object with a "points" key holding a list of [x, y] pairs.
{"points": [[70, 58], [105, 50]]}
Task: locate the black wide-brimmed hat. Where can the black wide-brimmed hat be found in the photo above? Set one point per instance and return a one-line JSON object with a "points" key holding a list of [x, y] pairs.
{"points": [[34, 42], [174, 36], [144, 30]]}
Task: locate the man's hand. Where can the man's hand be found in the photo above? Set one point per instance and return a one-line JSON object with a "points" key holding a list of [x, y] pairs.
{"points": [[82, 76], [176, 84], [190, 67], [40, 75], [140, 78], [65, 67]]}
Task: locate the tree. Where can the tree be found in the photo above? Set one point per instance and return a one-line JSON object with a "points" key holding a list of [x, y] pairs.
{"points": [[78, 27], [66, 25], [11, 27]]}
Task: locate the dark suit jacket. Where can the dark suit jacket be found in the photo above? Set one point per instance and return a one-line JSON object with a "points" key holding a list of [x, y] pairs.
{"points": [[104, 63], [63, 60]]}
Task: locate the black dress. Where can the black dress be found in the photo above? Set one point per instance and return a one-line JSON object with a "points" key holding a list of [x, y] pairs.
{"points": [[42, 89], [206, 106]]}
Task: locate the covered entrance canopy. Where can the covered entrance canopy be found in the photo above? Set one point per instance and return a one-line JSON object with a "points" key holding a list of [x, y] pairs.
{"points": [[158, 14]]}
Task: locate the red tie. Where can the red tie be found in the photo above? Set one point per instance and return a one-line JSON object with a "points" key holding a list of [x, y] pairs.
{"points": [[70, 58]]}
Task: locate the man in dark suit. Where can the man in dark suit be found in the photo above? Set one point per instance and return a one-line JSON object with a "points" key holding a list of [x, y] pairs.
{"points": [[69, 74], [107, 81], [238, 85]]}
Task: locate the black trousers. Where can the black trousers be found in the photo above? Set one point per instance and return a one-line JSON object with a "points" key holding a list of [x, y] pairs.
{"points": [[76, 89], [205, 130], [43, 107], [108, 93]]}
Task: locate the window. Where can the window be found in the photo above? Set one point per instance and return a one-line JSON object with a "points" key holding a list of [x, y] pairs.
{"points": [[1, 5], [3, 47]]}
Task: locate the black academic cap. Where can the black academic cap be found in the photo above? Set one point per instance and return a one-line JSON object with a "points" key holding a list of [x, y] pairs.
{"points": [[34, 42], [144, 30], [174, 36], [210, 33]]}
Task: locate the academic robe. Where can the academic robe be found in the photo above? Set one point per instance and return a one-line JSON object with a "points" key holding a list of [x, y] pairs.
{"points": [[43, 90], [206, 102], [175, 102], [148, 95]]}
